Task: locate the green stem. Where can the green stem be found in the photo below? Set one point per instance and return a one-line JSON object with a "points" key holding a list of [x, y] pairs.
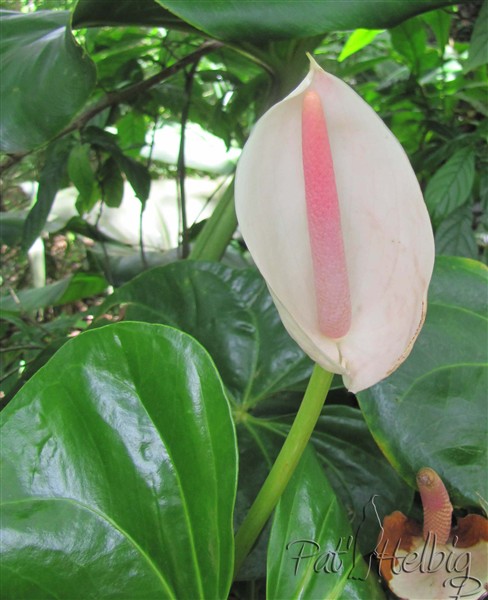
{"points": [[285, 464], [218, 230]]}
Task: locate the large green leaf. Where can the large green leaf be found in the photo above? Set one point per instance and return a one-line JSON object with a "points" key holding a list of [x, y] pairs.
{"points": [[311, 551], [46, 78], [249, 20], [432, 410], [119, 462], [231, 313], [93, 13]]}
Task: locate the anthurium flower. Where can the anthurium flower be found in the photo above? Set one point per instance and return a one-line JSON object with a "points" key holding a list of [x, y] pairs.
{"points": [[436, 561], [334, 218]]}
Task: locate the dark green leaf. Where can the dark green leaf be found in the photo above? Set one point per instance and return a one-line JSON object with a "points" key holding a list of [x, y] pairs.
{"points": [[455, 235], [432, 410], [282, 19], [119, 470], [76, 287], [50, 182], [46, 78], [350, 457], [12, 226], [357, 470], [93, 13], [311, 552], [231, 313], [101, 138], [137, 175], [451, 185], [478, 47], [80, 171], [111, 183]]}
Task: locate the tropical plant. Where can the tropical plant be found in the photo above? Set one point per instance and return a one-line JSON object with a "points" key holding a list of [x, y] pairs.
{"points": [[163, 436]]}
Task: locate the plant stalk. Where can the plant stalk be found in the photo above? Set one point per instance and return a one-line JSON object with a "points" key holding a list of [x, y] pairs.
{"points": [[218, 230], [284, 466]]}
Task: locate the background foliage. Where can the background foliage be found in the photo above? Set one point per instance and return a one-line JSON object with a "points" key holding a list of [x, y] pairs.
{"points": [[103, 105]]}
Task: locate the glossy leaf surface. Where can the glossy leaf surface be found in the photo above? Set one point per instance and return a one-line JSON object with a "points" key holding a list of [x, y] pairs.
{"points": [[40, 57], [119, 472], [311, 552], [282, 19], [230, 312], [432, 410]]}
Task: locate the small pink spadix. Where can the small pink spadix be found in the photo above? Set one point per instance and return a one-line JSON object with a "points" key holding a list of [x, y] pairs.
{"points": [[324, 222], [436, 504]]}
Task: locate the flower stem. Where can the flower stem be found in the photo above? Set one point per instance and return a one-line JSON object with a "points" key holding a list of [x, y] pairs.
{"points": [[285, 464]]}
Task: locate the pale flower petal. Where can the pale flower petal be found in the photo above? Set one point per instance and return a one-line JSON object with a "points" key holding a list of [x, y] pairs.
{"points": [[387, 236]]}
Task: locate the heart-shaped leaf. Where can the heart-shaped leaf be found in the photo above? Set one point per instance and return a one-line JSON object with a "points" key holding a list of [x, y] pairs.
{"points": [[432, 410], [119, 460]]}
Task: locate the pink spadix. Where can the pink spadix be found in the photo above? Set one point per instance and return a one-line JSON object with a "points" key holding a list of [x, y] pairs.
{"points": [[324, 222], [436, 504]]}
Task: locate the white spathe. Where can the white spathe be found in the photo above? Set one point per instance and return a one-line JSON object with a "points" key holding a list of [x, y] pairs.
{"points": [[387, 235]]}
